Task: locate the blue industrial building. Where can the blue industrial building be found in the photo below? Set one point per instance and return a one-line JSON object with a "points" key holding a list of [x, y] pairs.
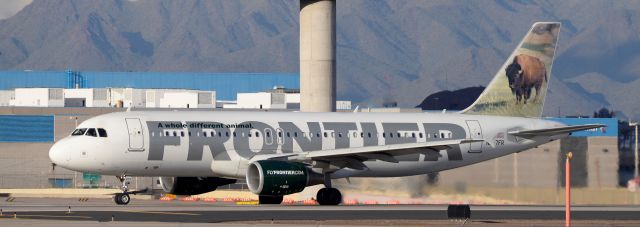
{"points": [[226, 85], [25, 128]]}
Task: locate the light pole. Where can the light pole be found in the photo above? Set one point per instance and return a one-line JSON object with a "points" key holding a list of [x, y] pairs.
{"points": [[635, 163]]}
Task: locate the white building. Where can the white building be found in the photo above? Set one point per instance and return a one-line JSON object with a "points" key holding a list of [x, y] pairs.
{"points": [[343, 105], [6, 97], [108, 97], [38, 97], [127, 97], [178, 98], [260, 100], [273, 99], [86, 97]]}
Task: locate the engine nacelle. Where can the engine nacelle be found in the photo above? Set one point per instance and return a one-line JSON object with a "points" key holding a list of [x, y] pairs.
{"points": [[192, 185], [270, 177]]}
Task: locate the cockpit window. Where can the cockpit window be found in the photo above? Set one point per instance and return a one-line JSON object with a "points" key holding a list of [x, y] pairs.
{"points": [[79, 132], [92, 132], [102, 132]]}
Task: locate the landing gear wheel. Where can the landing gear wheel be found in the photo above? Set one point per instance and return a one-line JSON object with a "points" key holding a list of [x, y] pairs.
{"points": [[265, 199], [122, 198], [329, 196]]}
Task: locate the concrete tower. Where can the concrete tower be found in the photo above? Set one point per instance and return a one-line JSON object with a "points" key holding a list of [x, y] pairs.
{"points": [[318, 55]]}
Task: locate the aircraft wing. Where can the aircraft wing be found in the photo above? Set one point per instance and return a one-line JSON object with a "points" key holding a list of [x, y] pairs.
{"points": [[554, 131], [353, 157]]}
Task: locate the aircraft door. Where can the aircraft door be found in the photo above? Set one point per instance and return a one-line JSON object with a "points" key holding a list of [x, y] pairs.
{"points": [[136, 135], [476, 133]]}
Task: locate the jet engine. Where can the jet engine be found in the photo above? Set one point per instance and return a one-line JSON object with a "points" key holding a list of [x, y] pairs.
{"points": [[192, 185], [276, 178]]}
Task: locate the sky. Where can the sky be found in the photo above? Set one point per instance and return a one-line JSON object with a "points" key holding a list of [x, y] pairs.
{"points": [[11, 7]]}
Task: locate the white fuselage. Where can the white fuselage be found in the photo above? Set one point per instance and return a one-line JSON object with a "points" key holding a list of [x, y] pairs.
{"points": [[222, 144]]}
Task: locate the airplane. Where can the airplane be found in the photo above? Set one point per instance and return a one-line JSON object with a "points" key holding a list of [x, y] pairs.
{"points": [[281, 153]]}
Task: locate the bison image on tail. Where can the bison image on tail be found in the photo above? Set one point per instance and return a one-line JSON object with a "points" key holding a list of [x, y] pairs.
{"points": [[525, 73]]}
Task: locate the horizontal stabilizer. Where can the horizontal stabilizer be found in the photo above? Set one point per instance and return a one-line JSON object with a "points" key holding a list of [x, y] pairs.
{"points": [[555, 131]]}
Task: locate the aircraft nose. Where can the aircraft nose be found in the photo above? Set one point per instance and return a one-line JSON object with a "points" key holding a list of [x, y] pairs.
{"points": [[57, 153]]}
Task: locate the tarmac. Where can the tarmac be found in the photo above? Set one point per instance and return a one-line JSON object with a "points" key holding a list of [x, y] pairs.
{"points": [[101, 212]]}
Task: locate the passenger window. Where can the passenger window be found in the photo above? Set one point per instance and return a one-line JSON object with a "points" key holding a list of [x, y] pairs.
{"points": [[441, 135], [257, 134], [384, 135], [340, 135], [248, 134], [234, 134], [175, 134], [413, 135], [268, 134], [279, 134], [102, 132], [399, 135], [391, 135], [181, 134], [288, 135], [166, 133], [79, 132], [369, 134], [325, 134], [317, 134], [361, 134], [420, 134], [189, 133], [92, 132], [204, 134], [295, 134], [226, 134]]}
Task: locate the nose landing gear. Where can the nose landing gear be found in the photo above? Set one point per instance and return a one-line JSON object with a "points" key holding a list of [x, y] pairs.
{"points": [[124, 198]]}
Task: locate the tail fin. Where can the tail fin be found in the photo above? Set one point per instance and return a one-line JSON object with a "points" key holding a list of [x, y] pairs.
{"points": [[520, 86]]}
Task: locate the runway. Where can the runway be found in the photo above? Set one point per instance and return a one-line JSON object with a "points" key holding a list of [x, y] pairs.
{"points": [[103, 210]]}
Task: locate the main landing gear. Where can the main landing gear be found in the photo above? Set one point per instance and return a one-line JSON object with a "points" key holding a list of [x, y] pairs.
{"points": [[124, 198], [266, 199], [328, 195]]}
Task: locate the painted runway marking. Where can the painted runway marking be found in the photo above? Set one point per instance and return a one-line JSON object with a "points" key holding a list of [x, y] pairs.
{"points": [[30, 216], [160, 212]]}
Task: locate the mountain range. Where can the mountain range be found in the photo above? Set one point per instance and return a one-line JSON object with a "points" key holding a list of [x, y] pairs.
{"points": [[386, 50]]}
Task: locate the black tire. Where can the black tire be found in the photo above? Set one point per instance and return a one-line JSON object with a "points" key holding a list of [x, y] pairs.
{"points": [[266, 199], [122, 198], [329, 196], [116, 198]]}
